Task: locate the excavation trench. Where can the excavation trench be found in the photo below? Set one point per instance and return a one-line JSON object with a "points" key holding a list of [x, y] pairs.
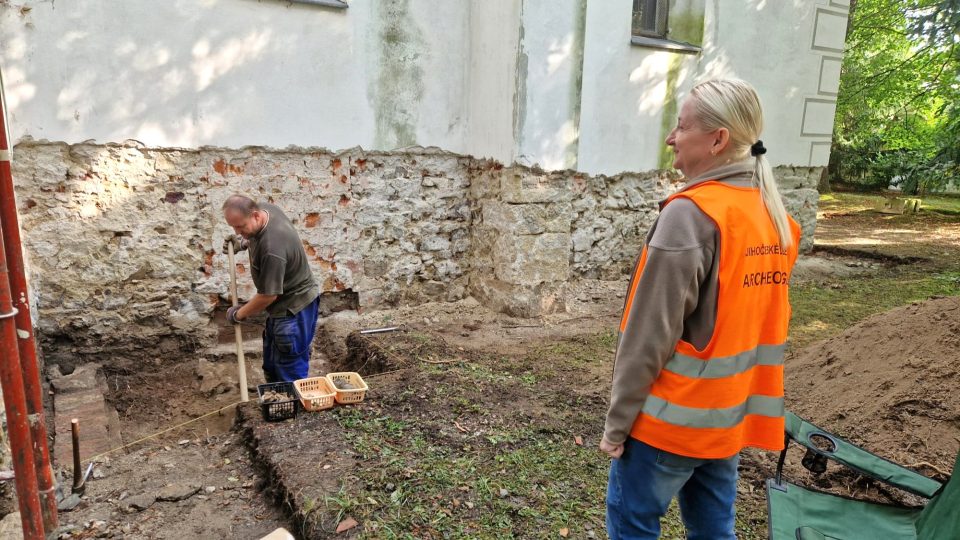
{"points": [[304, 463]]}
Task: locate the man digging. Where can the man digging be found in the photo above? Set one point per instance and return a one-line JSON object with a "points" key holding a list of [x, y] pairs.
{"points": [[285, 286]]}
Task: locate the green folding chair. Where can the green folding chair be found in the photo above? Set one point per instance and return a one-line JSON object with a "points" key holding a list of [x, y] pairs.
{"points": [[798, 513]]}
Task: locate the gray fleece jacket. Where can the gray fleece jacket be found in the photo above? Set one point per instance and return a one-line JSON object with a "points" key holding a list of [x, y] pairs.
{"points": [[676, 298]]}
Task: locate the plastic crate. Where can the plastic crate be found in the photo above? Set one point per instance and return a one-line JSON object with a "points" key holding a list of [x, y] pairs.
{"points": [[348, 396], [278, 410], [315, 393]]}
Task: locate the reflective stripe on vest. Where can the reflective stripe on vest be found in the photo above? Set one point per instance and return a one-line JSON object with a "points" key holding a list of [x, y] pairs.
{"points": [[712, 418], [711, 403], [718, 368]]}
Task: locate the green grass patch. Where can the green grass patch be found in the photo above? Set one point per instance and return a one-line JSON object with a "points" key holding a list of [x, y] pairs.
{"points": [[503, 484], [458, 459], [858, 202], [574, 353], [849, 202], [945, 204], [580, 350], [821, 311]]}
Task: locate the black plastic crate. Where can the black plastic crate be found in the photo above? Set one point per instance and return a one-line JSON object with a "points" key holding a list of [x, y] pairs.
{"points": [[278, 410]]}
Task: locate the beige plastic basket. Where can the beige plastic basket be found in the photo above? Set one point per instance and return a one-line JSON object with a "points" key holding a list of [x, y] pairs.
{"points": [[348, 396], [315, 393]]}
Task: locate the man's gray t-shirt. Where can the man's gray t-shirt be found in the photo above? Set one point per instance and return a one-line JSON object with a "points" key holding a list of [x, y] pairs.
{"points": [[279, 265]]}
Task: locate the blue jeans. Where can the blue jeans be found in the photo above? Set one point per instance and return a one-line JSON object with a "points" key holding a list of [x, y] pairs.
{"points": [[645, 479], [286, 344]]}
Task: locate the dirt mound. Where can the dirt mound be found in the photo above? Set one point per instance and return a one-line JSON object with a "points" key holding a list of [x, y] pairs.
{"points": [[888, 384]]}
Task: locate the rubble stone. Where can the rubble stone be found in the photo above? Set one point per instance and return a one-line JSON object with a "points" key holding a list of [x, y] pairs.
{"points": [[216, 378], [177, 492], [11, 527], [139, 502], [69, 503], [532, 259]]}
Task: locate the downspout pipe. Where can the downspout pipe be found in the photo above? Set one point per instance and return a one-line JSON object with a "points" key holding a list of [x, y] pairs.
{"points": [[26, 343], [11, 371]]}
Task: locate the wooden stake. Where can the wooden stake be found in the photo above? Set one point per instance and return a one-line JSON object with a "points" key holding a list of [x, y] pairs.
{"points": [[241, 364]]}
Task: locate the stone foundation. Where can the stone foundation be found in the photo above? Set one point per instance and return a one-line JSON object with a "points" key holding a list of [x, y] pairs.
{"points": [[124, 241], [535, 231]]}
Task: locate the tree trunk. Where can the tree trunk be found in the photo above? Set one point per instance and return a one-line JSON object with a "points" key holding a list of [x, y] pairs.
{"points": [[853, 9], [823, 186]]}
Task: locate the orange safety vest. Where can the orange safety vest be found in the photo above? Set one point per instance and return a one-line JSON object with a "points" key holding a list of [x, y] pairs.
{"points": [[712, 403]]}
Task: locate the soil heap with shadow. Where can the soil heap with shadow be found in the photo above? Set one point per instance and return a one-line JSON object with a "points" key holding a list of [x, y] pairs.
{"points": [[889, 384]]}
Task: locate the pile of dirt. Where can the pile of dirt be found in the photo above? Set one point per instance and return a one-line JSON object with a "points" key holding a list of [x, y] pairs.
{"points": [[888, 384]]}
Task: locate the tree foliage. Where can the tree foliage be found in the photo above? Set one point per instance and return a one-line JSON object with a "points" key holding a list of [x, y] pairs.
{"points": [[898, 112]]}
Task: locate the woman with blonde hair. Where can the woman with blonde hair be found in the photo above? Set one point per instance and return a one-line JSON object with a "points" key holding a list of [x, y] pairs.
{"points": [[698, 374]]}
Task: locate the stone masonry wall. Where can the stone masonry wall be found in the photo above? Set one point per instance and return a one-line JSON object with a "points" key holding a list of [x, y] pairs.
{"points": [[124, 241], [534, 231]]}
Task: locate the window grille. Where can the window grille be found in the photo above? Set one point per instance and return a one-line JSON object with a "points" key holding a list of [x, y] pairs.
{"points": [[650, 18], [326, 3]]}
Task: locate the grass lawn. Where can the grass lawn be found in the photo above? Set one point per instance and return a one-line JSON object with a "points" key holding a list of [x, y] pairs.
{"points": [[491, 447], [849, 202], [482, 447], [823, 309]]}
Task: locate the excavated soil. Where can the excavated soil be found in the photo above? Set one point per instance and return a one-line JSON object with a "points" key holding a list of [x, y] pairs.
{"points": [[197, 487], [889, 383]]}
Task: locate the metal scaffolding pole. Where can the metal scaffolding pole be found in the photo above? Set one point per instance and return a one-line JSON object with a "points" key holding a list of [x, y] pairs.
{"points": [[26, 344], [15, 403]]}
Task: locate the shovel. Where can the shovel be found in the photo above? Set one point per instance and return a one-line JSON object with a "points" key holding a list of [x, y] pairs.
{"points": [[241, 364]]}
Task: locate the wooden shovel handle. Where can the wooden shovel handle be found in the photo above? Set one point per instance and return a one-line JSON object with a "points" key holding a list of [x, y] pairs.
{"points": [[241, 364]]}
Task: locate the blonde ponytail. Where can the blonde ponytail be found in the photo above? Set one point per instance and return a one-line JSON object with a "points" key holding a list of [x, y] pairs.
{"points": [[764, 179], [733, 104]]}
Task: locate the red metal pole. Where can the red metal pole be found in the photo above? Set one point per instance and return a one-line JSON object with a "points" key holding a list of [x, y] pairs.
{"points": [[11, 379], [26, 343], [16, 405]]}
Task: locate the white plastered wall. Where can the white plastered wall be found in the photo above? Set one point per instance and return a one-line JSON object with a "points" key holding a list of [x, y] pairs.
{"points": [[553, 83], [790, 51], [624, 93], [492, 78], [231, 73], [548, 100]]}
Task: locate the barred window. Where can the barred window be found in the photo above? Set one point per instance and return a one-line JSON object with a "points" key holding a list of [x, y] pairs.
{"points": [[650, 18], [325, 3]]}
